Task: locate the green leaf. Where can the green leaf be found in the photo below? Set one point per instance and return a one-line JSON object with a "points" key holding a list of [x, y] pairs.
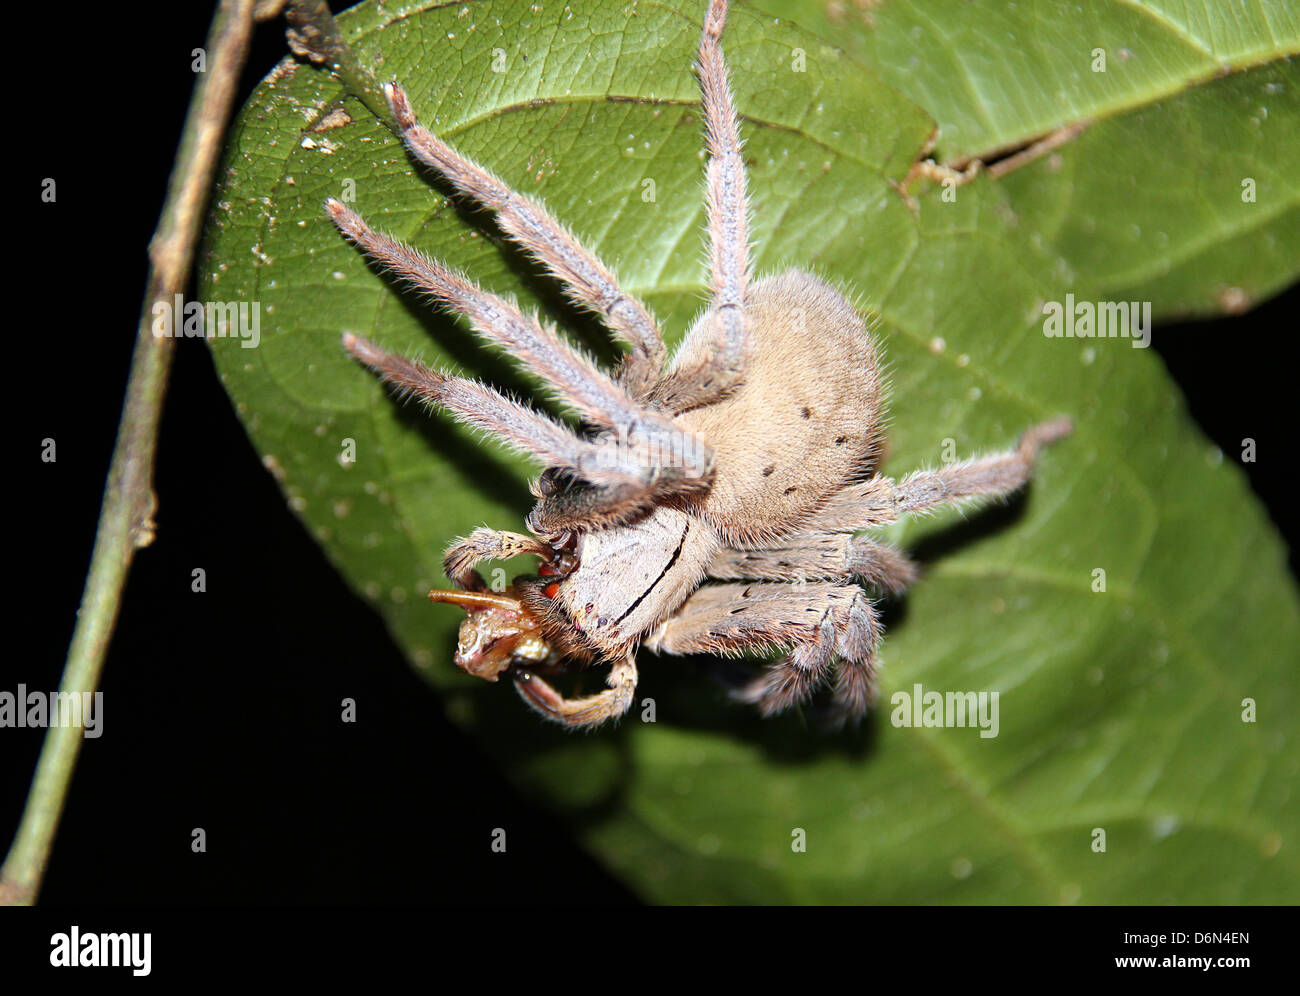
{"points": [[1119, 709], [997, 74], [1206, 179], [1149, 203]]}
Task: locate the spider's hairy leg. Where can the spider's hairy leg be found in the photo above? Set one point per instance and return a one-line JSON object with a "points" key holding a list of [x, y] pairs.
{"points": [[521, 428], [588, 280], [881, 500], [578, 381], [728, 206], [986, 476], [709, 366], [830, 625], [578, 508], [591, 710], [821, 557], [487, 544]]}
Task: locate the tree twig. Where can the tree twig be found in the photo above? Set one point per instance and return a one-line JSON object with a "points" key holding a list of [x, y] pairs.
{"points": [[126, 514]]}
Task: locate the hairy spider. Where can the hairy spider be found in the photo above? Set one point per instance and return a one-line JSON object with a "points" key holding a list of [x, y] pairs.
{"points": [[712, 501]]}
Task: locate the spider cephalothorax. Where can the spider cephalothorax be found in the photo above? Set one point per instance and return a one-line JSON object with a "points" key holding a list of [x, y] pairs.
{"points": [[713, 501]]}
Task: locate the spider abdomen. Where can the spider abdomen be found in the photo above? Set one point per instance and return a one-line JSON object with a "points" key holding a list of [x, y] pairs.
{"points": [[805, 420]]}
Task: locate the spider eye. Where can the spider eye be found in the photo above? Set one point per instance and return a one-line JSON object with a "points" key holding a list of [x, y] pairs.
{"points": [[546, 483]]}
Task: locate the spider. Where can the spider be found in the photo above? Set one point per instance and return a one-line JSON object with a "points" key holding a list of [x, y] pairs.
{"points": [[753, 543]]}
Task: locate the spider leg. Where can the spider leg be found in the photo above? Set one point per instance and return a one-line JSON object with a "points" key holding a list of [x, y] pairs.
{"points": [[882, 500], [586, 388], [591, 710], [830, 625], [728, 208], [589, 282], [821, 557], [526, 431], [590, 508], [713, 357], [487, 544]]}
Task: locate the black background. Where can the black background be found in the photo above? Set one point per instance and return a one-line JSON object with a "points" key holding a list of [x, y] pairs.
{"points": [[225, 706]]}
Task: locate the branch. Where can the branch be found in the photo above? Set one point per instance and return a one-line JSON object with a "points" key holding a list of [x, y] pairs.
{"points": [[126, 514]]}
